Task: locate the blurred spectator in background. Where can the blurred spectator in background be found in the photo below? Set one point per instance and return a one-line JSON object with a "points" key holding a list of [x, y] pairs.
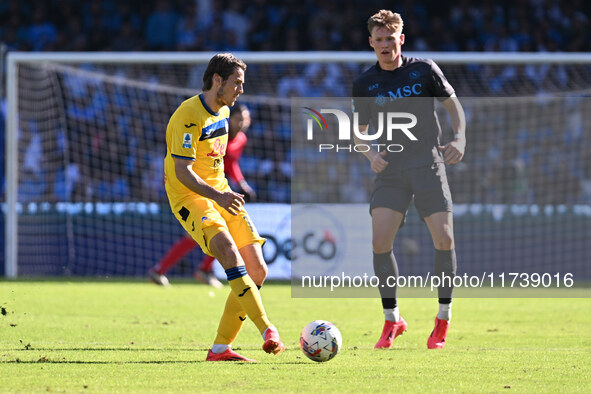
{"points": [[42, 32], [188, 30], [513, 175], [160, 29], [534, 25]]}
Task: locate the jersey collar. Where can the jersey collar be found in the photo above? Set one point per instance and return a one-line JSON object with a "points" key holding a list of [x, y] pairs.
{"points": [[404, 62], [207, 106]]}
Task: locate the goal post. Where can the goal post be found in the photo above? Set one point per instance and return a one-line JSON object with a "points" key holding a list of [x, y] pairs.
{"points": [[11, 169], [149, 78]]}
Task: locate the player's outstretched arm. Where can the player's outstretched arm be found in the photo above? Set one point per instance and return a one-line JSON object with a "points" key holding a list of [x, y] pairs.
{"points": [[230, 201], [378, 164], [453, 151]]}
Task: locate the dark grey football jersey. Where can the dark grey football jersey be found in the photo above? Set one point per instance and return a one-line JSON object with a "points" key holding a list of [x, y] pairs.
{"points": [[410, 88]]}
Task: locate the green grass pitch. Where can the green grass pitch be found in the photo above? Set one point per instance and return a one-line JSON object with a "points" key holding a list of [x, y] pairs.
{"points": [[137, 337]]}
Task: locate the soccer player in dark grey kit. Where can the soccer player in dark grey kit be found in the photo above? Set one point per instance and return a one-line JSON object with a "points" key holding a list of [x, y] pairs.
{"points": [[418, 171]]}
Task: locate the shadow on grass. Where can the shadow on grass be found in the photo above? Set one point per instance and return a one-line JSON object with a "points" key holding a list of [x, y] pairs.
{"points": [[117, 279], [45, 360], [108, 349], [120, 349]]}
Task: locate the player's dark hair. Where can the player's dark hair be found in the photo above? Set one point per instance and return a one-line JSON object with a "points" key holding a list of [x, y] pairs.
{"points": [[385, 18], [223, 64]]}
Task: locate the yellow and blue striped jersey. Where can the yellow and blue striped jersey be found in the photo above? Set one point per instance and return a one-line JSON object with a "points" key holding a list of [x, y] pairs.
{"points": [[196, 133]]}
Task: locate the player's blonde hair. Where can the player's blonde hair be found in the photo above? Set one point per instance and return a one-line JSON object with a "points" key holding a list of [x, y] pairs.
{"points": [[223, 64], [385, 18]]}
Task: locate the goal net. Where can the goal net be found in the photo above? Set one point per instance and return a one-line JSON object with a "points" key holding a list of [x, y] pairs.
{"points": [[85, 147]]}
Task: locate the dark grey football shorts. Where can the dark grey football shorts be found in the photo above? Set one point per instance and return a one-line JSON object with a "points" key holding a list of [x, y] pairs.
{"points": [[428, 185]]}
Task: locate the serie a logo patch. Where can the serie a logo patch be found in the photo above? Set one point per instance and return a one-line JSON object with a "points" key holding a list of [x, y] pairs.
{"points": [[187, 140]]}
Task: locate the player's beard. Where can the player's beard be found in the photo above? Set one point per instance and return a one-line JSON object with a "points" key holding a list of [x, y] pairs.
{"points": [[220, 96]]}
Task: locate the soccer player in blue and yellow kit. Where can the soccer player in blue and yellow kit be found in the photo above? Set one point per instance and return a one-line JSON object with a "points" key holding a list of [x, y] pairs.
{"points": [[214, 215]]}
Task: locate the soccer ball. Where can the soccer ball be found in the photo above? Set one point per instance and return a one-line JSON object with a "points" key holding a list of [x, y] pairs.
{"points": [[320, 340]]}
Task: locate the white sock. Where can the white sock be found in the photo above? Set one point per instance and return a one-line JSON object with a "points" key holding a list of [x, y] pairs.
{"points": [[217, 349], [392, 314], [444, 312]]}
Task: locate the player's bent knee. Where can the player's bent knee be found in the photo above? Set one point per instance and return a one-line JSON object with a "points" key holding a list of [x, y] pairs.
{"points": [[382, 244], [255, 263], [444, 241], [264, 271], [258, 273], [224, 249]]}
